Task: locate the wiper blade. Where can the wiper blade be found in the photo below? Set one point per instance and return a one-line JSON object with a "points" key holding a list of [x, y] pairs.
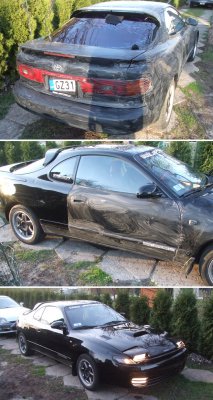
{"points": [[195, 190], [116, 322], [85, 327]]}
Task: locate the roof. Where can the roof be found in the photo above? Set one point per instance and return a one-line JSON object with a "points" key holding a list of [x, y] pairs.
{"points": [[66, 303], [52, 154], [131, 5]]}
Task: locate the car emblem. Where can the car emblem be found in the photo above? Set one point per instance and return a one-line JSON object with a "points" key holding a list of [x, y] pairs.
{"points": [[57, 67]]}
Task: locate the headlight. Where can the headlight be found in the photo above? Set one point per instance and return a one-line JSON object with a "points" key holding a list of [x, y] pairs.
{"points": [[130, 361], [123, 360], [3, 320], [140, 358], [180, 344]]}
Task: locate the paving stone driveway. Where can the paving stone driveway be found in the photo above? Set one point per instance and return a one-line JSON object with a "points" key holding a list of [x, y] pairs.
{"points": [[125, 268], [107, 392], [12, 126]]}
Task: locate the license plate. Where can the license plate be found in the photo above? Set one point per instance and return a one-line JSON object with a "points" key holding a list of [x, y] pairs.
{"points": [[62, 85]]}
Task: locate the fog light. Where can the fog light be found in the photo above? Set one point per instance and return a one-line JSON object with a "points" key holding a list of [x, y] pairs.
{"points": [[138, 382]]}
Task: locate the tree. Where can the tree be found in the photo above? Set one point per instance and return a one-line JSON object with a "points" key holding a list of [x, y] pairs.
{"points": [[42, 13], [62, 11], [106, 299], [185, 323], [139, 310], [12, 152], [31, 150], [161, 312], [204, 156], [206, 346], [180, 150], [122, 302]]}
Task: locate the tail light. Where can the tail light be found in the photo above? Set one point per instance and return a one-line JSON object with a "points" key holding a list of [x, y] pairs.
{"points": [[107, 87]]}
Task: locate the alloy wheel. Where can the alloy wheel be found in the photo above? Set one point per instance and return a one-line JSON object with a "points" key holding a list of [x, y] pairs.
{"points": [[86, 372], [23, 225], [22, 344]]}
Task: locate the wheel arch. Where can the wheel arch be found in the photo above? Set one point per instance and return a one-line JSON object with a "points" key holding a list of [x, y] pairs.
{"points": [[201, 250]]}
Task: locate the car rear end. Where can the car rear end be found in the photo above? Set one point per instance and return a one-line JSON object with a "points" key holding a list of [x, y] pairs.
{"points": [[92, 73]]}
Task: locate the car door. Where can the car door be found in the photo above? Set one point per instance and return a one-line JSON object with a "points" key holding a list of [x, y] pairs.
{"points": [[103, 207], [53, 191], [54, 342], [180, 34]]}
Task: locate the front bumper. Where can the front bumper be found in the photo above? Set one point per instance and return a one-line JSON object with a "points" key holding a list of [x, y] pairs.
{"points": [[111, 120], [153, 372], [7, 327]]}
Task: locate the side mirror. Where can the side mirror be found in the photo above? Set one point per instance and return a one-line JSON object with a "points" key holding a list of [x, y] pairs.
{"points": [[148, 191], [59, 325], [191, 21], [22, 304]]}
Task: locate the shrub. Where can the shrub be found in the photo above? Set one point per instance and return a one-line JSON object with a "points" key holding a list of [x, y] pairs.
{"points": [[204, 156], [139, 310], [122, 302], [185, 324], [12, 152], [42, 13], [161, 312], [17, 26], [206, 346], [180, 150], [106, 299], [31, 150], [62, 11]]}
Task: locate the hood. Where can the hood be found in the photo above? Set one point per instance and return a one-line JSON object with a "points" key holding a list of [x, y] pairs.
{"points": [[13, 313], [127, 336]]}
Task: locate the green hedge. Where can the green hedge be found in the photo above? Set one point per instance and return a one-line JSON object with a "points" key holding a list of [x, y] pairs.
{"points": [[21, 20]]}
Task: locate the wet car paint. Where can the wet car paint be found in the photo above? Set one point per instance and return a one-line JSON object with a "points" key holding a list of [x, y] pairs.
{"points": [[168, 227], [103, 343], [162, 61]]}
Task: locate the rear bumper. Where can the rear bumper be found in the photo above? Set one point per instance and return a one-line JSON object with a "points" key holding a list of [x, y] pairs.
{"points": [[111, 120]]}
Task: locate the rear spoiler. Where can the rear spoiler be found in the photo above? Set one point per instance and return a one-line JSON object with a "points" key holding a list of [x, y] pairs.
{"points": [[14, 167]]}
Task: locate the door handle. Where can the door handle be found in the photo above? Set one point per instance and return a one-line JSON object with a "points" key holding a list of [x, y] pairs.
{"points": [[78, 200]]}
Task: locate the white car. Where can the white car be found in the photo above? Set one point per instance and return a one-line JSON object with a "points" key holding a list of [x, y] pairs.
{"points": [[10, 311]]}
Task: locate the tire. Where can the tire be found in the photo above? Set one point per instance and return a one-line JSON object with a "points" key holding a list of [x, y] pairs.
{"points": [[87, 372], [206, 266], [25, 224], [23, 345], [193, 52], [166, 111]]}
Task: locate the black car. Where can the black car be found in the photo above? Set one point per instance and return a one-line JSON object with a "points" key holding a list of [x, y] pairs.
{"points": [[100, 344], [134, 198], [112, 68]]}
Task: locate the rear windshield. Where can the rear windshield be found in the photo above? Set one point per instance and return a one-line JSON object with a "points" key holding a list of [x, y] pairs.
{"points": [[108, 30]]}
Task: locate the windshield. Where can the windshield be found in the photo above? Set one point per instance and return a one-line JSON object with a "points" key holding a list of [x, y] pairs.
{"points": [[7, 302], [178, 176], [34, 166], [108, 30], [91, 315]]}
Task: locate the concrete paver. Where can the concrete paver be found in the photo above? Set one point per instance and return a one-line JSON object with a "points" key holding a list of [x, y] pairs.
{"points": [[198, 375], [172, 274], [122, 265], [57, 370], [74, 251], [46, 244]]}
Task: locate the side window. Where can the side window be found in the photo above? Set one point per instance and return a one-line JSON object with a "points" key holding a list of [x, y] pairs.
{"points": [[64, 171], [110, 173], [51, 314], [174, 22], [38, 313]]}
